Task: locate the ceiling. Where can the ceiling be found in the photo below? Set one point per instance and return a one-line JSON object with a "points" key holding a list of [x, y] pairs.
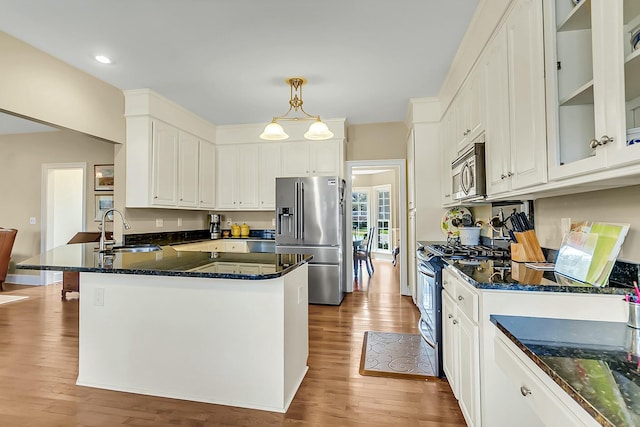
{"points": [[227, 60]]}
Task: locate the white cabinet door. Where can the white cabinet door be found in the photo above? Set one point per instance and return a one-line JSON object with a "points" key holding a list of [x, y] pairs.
{"points": [[497, 145], [469, 109], [226, 177], [448, 153], [269, 170], [527, 123], [411, 176], [311, 158], [295, 158], [593, 90], [207, 175], [324, 158], [469, 369], [515, 104], [164, 166], [188, 166], [247, 176], [450, 342]]}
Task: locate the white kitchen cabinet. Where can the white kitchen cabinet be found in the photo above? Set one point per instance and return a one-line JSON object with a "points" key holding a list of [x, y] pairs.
{"points": [[448, 154], [214, 246], [188, 170], [165, 149], [235, 246], [551, 406], [411, 167], [164, 170], [461, 344], [207, 175], [164, 166], [593, 86], [450, 343], [312, 158], [516, 153], [237, 176], [469, 107], [269, 171]]}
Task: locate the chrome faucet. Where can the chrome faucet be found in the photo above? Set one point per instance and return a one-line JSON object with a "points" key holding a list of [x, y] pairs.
{"points": [[103, 240]]}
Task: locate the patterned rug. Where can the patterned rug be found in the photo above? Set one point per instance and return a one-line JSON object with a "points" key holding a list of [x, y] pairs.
{"points": [[388, 354]]}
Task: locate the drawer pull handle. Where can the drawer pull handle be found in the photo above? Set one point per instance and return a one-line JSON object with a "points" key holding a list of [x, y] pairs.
{"points": [[450, 316], [460, 298], [524, 391], [455, 322]]}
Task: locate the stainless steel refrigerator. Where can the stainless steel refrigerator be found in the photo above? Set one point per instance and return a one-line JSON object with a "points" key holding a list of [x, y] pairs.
{"points": [[310, 220]]}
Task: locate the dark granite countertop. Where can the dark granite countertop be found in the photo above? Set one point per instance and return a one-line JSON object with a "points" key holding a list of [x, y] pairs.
{"points": [[168, 262], [516, 276], [595, 362]]}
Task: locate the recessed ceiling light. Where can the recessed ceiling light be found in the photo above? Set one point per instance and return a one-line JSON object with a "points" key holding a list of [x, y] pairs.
{"points": [[102, 59]]}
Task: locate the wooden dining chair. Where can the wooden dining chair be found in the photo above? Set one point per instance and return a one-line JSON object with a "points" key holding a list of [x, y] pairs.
{"points": [[364, 254], [7, 238]]}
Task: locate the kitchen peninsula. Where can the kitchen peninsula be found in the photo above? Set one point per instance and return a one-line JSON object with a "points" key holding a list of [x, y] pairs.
{"points": [[168, 324]]}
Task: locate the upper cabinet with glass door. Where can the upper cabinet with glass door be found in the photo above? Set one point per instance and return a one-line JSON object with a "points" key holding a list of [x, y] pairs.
{"points": [[590, 103]]}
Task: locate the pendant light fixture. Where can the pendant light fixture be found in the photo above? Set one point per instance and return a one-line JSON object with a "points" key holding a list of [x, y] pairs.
{"points": [[318, 129]]}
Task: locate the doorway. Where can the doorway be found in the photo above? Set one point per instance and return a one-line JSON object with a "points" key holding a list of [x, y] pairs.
{"points": [[380, 190], [63, 208]]}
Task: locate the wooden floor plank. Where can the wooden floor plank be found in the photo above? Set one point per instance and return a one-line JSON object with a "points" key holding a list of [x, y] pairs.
{"points": [[39, 358]]}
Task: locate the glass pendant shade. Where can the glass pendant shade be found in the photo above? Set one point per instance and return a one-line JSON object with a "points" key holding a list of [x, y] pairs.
{"points": [[318, 131], [274, 132]]}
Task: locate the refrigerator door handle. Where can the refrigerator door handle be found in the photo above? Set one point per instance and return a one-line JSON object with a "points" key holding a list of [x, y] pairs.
{"points": [[296, 215], [302, 211]]}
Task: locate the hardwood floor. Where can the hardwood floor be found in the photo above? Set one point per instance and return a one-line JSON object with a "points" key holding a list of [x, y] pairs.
{"points": [[39, 357]]}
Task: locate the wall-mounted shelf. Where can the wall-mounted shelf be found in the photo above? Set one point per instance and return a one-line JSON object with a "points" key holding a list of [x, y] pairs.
{"points": [[581, 96], [579, 18], [631, 74]]}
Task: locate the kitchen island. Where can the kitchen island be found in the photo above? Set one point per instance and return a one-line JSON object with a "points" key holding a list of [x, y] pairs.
{"points": [[174, 324]]}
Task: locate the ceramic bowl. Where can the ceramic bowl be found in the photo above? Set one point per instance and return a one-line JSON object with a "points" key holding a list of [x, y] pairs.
{"points": [[633, 136], [635, 39]]}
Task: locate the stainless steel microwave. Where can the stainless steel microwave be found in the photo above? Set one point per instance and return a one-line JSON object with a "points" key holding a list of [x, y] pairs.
{"points": [[468, 173]]}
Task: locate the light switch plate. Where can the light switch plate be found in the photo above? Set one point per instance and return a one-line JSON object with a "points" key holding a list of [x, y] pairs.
{"points": [[32, 220], [159, 223]]}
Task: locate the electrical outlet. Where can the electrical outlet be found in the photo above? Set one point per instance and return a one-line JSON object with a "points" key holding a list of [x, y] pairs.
{"points": [[229, 222], [98, 297], [32, 220], [159, 223], [179, 222]]}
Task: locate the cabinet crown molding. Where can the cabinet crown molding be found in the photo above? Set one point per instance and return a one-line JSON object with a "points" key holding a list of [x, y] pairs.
{"points": [[146, 102]]}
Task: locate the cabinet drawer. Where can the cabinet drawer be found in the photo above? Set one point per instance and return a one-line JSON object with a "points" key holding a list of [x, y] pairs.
{"points": [[449, 284], [235, 247], [546, 404], [467, 301]]}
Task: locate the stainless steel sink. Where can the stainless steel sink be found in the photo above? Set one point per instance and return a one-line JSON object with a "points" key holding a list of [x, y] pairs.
{"points": [[135, 248]]}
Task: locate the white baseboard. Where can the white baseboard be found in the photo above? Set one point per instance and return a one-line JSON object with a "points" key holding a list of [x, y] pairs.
{"points": [[46, 278]]}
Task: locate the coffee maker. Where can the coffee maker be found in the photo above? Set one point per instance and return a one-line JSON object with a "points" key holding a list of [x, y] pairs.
{"points": [[214, 226]]}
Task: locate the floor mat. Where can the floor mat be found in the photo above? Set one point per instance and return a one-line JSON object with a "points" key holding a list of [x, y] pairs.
{"points": [[389, 354]]}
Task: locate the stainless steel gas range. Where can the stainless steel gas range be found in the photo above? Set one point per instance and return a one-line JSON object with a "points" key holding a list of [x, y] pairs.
{"points": [[431, 258]]}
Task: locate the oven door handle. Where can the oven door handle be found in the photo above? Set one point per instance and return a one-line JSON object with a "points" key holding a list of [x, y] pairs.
{"points": [[426, 272], [424, 337]]}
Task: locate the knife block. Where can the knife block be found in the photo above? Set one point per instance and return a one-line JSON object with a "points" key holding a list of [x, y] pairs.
{"points": [[527, 249]]}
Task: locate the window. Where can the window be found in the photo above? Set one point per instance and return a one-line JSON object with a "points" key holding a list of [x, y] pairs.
{"points": [[360, 212], [383, 222]]}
